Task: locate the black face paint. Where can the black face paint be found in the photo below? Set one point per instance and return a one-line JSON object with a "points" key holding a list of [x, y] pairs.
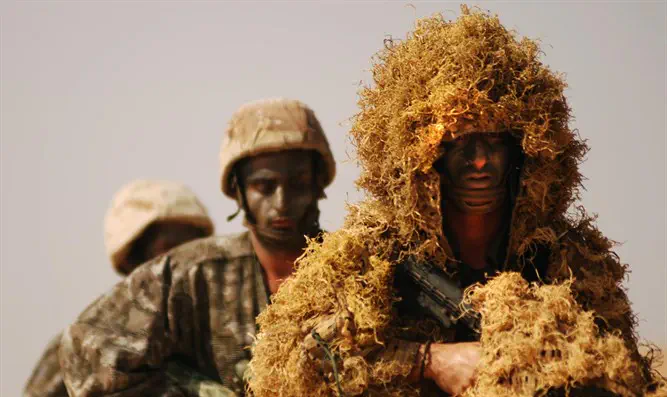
{"points": [[474, 171], [279, 193], [159, 238]]}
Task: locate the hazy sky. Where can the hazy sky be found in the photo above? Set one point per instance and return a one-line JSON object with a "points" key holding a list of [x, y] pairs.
{"points": [[95, 94]]}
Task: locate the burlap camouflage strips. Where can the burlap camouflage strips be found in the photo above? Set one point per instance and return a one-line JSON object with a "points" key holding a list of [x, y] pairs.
{"points": [[196, 306]]}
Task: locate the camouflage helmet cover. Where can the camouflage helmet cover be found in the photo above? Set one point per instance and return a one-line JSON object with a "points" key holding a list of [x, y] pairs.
{"points": [[272, 125], [142, 202]]}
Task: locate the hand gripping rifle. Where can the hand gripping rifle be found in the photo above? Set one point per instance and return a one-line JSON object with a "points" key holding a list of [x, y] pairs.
{"points": [[430, 290]]}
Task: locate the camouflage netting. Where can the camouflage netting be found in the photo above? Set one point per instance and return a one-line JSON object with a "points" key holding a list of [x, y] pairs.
{"points": [[448, 78]]}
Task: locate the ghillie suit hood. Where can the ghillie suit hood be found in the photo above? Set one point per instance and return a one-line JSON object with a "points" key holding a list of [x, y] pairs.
{"points": [[446, 79]]}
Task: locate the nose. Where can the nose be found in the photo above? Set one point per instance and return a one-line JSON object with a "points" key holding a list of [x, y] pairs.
{"points": [[280, 199], [477, 153]]}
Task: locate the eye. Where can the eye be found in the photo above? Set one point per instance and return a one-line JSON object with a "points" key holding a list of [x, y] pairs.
{"points": [[264, 186], [494, 139], [458, 143]]}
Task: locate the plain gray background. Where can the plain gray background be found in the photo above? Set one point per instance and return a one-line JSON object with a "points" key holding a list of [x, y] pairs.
{"points": [[96, 94]]}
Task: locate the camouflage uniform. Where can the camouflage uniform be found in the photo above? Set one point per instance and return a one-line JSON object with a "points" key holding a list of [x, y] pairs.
{"points": [[196, 305], [181, 325], [133, 209], [46, 378]]}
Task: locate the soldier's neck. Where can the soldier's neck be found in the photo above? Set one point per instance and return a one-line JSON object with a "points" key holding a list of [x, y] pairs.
{"points": [[277, 264], [472, 233]]}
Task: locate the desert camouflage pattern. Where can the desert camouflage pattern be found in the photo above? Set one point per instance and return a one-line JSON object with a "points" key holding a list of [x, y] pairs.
{"points": [[134, 207], [46, 379], [272, 125], [142, 202], [192, 309]]}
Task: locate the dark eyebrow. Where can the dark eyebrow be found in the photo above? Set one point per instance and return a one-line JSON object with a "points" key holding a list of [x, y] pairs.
{"points": [[262, 174]]}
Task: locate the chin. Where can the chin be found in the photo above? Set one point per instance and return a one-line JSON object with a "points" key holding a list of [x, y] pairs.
{"points": [[284, 240]]}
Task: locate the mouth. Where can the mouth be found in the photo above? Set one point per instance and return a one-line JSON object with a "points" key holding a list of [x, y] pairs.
{"points": [[283, 224], [477, 180], [478, 204]]}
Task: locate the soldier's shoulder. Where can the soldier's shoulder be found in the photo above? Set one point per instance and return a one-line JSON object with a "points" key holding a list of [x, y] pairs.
{"points": [[46, 377], [214, 248]]}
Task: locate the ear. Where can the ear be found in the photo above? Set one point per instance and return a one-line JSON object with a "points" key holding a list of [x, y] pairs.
{"points": [[234, 184]]}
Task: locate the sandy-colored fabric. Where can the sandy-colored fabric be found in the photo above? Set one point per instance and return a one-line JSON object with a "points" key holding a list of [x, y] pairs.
{"points": [[142, 202], [271, 125], [195, 305], [445, 79]]}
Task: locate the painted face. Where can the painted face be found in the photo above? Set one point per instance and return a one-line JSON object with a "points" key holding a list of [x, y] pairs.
{"points": [[281, 196], [159, 238], [169, 235], [474, 169]]}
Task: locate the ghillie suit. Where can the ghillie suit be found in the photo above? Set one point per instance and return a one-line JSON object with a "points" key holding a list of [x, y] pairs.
{"points": [[447, 79]]}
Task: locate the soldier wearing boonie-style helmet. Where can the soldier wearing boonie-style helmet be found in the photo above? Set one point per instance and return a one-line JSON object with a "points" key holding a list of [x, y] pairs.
{"points": [[181, 324], [146, 218]]}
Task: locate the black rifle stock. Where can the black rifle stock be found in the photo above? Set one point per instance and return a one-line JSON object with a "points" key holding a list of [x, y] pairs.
{"points": [[435, 293]]}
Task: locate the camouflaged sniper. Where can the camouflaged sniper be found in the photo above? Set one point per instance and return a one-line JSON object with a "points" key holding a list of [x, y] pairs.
{"points": [[446, 79]]}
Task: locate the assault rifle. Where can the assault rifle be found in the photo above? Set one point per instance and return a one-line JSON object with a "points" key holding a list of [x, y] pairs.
{"points": [[435, 293]]}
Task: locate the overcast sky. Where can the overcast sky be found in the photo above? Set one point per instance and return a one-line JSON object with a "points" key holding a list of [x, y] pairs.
{"points": [[95, 94]]}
